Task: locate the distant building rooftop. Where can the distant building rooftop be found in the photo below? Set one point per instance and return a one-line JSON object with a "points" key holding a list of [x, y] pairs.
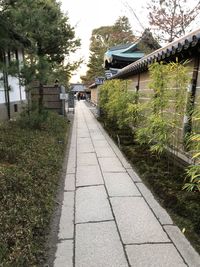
{"points": [[77, 87], [188, 44], [118, 57]]}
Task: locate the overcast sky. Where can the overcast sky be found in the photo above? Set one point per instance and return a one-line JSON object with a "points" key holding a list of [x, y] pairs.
{"points": [[86, 15]]}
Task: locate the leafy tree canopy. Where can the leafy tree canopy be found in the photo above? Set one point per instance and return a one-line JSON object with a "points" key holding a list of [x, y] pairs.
{"points": [[171, 18], [47, 28]]}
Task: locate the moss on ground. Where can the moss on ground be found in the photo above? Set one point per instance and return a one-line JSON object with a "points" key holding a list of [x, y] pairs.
{"points": [[30, 166]]}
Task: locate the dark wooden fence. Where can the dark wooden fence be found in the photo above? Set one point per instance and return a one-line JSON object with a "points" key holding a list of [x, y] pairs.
{"points": [[48, 97]]}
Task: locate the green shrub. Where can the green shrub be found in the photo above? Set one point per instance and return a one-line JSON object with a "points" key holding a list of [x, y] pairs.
{"points": [[157, 122], [119, 103], [193, 171], [33, 118]]}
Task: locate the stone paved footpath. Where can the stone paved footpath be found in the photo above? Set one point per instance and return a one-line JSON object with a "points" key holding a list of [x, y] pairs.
{"points": [[109, 218]]}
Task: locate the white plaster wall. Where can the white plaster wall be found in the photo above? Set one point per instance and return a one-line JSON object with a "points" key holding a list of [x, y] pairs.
{"points": [[23, 93], [14, 89], [17, 92], [21, 63], [20, 56], [2, 97], [2, 94]]}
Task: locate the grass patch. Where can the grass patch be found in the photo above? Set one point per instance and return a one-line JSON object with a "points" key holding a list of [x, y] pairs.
{"points": [[31, 157], [165, 178]]}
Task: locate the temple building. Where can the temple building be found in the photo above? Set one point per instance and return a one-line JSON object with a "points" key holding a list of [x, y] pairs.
{"points": [[120, 56]]}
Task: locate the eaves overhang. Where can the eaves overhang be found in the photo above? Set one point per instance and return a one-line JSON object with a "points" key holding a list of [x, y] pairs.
{"points": [[128, 57], [174, 48], [92, 86], [122, 52]]}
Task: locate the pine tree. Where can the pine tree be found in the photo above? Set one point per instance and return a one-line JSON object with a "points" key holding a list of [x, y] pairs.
{"points": [[51, 36], [101, 40]]}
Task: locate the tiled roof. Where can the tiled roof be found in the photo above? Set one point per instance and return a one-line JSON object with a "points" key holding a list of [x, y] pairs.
{"points": [[77, 87], [184, 43], [125, 56], [120, 47], [123, 51], [93, 85]]}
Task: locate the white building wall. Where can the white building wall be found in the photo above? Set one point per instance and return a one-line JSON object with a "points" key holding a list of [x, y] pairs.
{"points": [[14, 92], [20, 56], [21, 63], [2, 93], [17, 92], [2, 97], [23, 93]]}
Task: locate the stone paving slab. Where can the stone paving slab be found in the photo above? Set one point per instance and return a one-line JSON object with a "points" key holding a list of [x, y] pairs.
{"points": [[85, 148], [64, 254], [97, 136], [154, 255], [72, 154], [121, 157], [115, 148], [98, 245], [90, 175], [120, 184], [69, 182], [127, 233], [100, 143], [71, 168], [73, 137], [66, 226], [71, 163], [73, 149], [134, 176], [160, 213], [93, 128], [111, 165], [183, 245], [81, 133], [104, 152], [92, 204], [136, 222], [84, 140], [87, 159]]}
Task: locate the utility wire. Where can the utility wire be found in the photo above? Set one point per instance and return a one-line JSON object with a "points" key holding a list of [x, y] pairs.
{"points": [[126, 4]]}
